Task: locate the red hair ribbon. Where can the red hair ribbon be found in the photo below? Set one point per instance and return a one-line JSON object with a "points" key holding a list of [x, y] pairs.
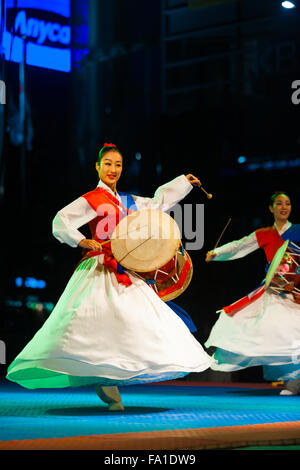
{"points": [[109, 145]]}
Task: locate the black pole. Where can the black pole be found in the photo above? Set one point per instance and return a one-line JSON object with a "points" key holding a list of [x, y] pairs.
{"points": [[23, 118], [2, 113]]}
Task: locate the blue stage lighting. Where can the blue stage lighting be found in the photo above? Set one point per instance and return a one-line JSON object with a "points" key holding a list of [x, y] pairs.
{"points": [[35, 283], [288, 5], [19, 281]]}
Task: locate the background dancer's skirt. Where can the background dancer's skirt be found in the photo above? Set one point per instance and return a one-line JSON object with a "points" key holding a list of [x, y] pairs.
{"points": [[266, 332]]}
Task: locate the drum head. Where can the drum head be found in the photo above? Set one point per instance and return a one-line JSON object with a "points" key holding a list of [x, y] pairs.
{"points": [[145, 240], [275, 263]]}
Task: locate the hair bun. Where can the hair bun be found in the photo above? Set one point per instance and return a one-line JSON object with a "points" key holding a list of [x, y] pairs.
{"points": [[109, 145]]}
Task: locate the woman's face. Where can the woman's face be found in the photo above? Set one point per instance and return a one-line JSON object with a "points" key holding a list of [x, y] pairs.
{"points": [[281, 208], [110, 168]]}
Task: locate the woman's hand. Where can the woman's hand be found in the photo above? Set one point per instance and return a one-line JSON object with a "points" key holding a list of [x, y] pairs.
{"points": [[193, 180], [90, 245], [210, 256]]}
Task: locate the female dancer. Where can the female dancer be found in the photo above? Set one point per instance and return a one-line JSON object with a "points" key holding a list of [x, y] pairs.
{"points": [[263, 328], [109, 327]]}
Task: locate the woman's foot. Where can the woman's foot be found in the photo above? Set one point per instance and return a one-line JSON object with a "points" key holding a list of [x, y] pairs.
{"points": [[286, 392], [292, 387], [116, 406], [111, 396]]}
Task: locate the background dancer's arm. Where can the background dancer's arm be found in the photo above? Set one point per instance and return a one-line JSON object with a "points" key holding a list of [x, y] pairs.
{"points": [[234, 250]]}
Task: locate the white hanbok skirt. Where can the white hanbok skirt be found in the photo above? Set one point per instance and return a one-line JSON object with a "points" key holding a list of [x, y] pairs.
{"points": [[266, 332], [102, 332]]}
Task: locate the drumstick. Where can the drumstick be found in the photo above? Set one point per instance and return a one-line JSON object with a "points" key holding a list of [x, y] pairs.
{"points": [[106, 241], [229, 220], [209, 196], [138, 246]]}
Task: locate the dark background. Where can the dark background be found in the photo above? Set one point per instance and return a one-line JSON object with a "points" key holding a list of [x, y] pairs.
{"points": [[188, 87]]}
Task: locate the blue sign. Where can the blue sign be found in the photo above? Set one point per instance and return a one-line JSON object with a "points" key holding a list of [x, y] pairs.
{"points": [[41, 30]]}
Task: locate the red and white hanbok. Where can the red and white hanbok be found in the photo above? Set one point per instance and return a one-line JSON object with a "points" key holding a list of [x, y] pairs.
{"points": [[108, 327], [262, 328]]}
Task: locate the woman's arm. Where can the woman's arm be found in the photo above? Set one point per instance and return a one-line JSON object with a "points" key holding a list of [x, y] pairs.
{"points": [[69, 219], [234, 250], [167, 195]]}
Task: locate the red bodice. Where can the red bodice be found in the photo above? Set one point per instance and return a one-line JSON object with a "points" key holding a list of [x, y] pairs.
{"points": [[269, 240], [109, 213]]}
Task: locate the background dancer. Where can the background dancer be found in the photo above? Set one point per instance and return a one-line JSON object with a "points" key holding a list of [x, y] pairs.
{"points": [[263, 328], [109, 327]]}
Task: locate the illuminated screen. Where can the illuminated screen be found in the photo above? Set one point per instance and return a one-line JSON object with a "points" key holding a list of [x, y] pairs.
{"points": [[41, 29]]}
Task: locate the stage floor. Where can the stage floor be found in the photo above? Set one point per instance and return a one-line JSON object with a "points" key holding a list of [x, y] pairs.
{"points": [[166, 416]]}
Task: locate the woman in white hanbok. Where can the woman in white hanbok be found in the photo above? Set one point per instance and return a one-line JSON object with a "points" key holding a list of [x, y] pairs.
{"points": [[262, 328], [109, 327]]}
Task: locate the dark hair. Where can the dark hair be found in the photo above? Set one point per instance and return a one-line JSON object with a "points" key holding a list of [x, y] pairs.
{"points": [[107, 148], [277, 193]]}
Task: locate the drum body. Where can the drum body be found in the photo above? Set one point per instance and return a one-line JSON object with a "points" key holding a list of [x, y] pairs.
{"points": [[171, 279], [283, 277]]}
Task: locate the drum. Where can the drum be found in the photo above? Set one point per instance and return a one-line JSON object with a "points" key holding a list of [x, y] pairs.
{"points": [[145, 240], [148, 244], [171, 279], [283, 276]]}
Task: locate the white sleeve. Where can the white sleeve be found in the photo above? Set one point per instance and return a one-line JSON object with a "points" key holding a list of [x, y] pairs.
{"points": [[69, 219], [166, 196], [237, 248]]}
